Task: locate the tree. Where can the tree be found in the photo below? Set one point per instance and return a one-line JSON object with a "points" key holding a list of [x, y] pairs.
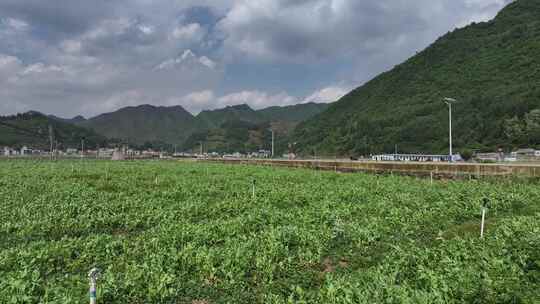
{"points": [[532, 126], [466, 154], [514, 129]]}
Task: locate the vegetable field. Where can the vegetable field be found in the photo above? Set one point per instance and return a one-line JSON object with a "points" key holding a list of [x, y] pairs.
{"points": [[178, 232]]}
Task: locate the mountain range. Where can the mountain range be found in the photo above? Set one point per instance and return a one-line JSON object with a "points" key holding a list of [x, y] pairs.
{"points": [[32, 129], [491, 68], [160, 127], [168, 126]]}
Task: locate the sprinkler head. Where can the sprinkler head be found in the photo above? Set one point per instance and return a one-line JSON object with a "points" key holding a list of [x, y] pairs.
{"points": [[94, 274], [485, 202]]}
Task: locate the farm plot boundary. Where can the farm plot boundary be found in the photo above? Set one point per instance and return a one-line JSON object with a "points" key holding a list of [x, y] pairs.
{"points": [[438, 170]]}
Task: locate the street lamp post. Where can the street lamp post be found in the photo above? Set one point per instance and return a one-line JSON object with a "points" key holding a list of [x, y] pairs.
{"points": [[82, 147], [271, 130], [273, 143], [449, 102]]}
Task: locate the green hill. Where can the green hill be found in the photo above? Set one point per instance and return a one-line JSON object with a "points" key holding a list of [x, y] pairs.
{"points": [[32, 129], [215, 118], [234, 128], [232, 136], [492, 68], [294, 113], [145, 124], [242, 129]]}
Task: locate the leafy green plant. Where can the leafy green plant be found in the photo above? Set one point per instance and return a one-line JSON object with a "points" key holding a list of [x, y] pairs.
{"points": [[198, 236]]}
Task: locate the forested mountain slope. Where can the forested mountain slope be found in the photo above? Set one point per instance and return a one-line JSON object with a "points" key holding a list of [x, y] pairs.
{"points": [[32, 129], [492, 68]]}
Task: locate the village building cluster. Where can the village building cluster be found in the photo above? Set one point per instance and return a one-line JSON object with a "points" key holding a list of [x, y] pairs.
{"points": [[520, 155]]}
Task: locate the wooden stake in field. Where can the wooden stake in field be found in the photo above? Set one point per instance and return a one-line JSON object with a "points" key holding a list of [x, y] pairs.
{"points": [[431, 177], [253, 187]]}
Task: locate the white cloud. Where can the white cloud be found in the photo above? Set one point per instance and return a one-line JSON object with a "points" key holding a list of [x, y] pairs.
{"points": [[41, 68], [146, 29], [202, 97], [91, 88], [7, 61], [207, 99], [189, 32], [71, 46], [16, 24], [9, 67], [299, 31], [11, 106], [256, 99], [329, 94], [188, 60], [109, 27], [207, 62]]}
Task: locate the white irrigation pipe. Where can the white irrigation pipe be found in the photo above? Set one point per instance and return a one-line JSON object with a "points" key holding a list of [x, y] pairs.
{"points": [[484, 210], [483, 222], [93, 276]]}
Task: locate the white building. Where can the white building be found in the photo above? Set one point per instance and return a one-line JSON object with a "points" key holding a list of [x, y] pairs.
{"points": [[11, 152], [234, 155], [414, 157], [72, 151], [26, 151], [492, 157], [104, 152]]}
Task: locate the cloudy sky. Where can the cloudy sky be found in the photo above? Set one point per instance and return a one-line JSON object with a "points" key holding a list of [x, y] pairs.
{"points": [[69, 57]]}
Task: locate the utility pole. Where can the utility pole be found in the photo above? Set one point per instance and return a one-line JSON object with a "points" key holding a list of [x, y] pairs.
{"points": [[201, 148], [82, 147], [449, 102], [272, 143], [450, 131], [51, 140]]}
